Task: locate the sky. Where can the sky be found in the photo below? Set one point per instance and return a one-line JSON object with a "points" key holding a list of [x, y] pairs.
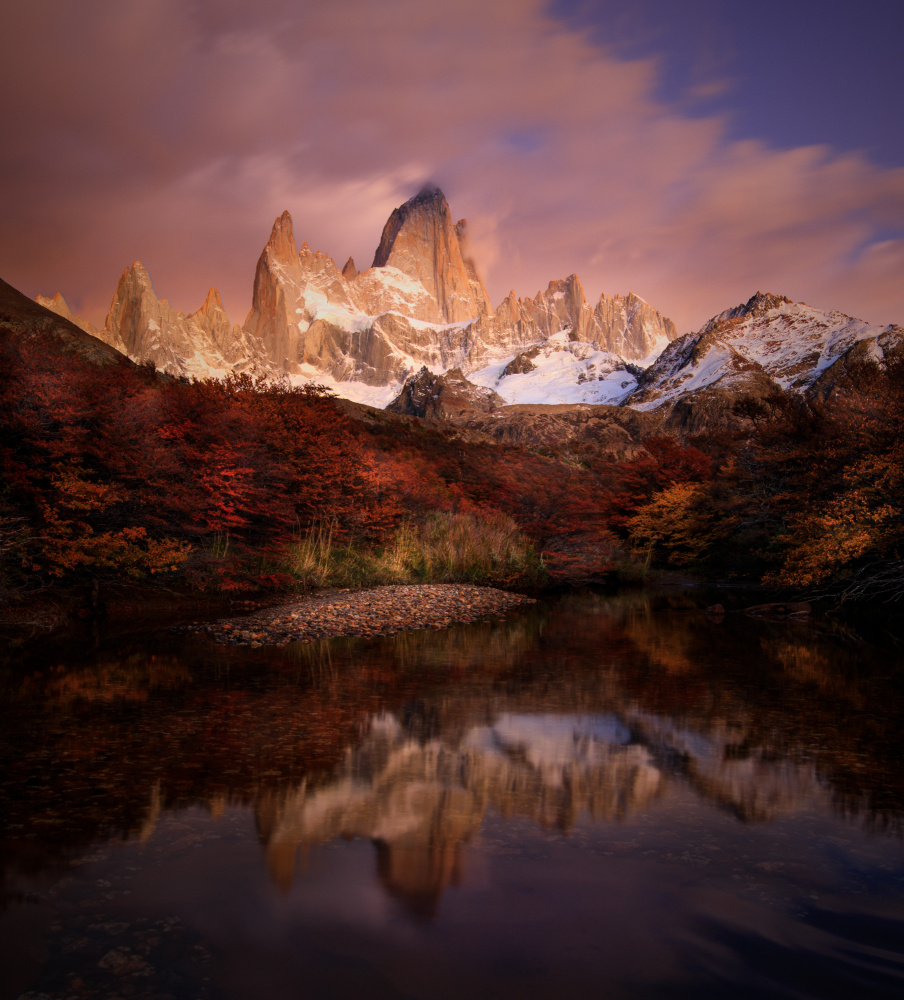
{"points": [[692, 152]]}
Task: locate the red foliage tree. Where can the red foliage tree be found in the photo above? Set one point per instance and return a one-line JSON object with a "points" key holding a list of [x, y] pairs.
{"points": [[662, 463]]}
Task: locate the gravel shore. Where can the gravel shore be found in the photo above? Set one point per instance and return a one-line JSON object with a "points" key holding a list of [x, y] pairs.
{"points": [[380, 611]]}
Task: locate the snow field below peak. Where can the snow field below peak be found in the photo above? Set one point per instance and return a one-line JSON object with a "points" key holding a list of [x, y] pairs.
{"points": [[564, 372], [378, 396]]}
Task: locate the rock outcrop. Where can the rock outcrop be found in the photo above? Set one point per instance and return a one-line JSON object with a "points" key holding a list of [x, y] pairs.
{"points": [[421, 240], [617, 431], [146, 328], [448, 397]]}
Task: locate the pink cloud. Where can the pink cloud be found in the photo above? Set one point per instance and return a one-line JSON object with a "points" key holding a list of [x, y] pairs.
{"points": [[175, 133]]}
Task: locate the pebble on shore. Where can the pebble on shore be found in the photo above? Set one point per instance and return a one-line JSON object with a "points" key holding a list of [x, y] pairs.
{"points": [[379, 611]]}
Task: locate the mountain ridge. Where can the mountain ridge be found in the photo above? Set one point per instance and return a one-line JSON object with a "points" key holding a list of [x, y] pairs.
{"points": [[422, 302], [766, 344], [422, 305]]}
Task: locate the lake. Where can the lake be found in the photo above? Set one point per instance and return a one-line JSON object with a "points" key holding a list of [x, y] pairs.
{"points": [[603, 795]]}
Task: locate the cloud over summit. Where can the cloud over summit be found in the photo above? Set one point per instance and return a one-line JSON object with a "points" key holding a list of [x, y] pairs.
{"points": [[176, 132]]}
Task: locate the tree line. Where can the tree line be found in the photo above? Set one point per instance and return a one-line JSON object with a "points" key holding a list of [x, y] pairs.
{"points": [[115, 472]]}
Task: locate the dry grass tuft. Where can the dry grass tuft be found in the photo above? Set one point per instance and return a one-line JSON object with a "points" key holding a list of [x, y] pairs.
{"points": [[441, 548]]}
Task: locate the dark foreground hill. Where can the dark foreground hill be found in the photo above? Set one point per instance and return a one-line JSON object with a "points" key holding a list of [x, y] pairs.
{"points": [[24, 319]]}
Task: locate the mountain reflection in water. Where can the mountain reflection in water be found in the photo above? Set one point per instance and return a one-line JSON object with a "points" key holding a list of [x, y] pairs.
{"points": [[421, 800], [571, 721]]}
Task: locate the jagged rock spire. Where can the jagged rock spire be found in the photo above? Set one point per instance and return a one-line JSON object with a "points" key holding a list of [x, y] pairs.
{"points": [[281, 245], [421, 240], [213, 303]]}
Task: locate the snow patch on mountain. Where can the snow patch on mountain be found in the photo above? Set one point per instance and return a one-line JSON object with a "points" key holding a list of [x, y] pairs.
{"points": [[560, 370], [767, 339], [378, 396]]}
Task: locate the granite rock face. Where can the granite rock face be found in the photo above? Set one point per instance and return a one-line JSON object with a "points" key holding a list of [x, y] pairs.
{"points": [[446, 397], [146, 328], [372, 326], [421, 240], [270, 321], [631, 327]]}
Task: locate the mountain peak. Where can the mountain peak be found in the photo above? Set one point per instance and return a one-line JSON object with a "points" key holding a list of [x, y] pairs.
{"points": [[428, 207], [212, 302], [756, 307], [762, 302], [421, 240], [281, 245], [429, 192], [136, 275], [57, 304]]}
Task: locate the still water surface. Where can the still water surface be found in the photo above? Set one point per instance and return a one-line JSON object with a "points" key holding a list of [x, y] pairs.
{"points": [[602, 796]]}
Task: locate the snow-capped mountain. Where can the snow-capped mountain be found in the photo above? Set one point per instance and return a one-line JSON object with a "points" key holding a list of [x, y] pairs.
{"points": [[421, 303], [422, 307], [765, 344]]}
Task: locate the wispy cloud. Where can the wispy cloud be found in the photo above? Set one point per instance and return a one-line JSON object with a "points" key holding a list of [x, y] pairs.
{"points": [[176, 132]]}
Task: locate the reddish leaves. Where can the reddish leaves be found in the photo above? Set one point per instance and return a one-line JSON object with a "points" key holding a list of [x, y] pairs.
{"points": [[114, 470]]}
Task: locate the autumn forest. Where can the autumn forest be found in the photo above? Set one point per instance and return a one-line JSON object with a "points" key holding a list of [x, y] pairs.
{"points": [[115, 473]]}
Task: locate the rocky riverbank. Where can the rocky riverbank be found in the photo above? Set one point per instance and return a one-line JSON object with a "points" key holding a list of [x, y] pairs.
{"points": [[379, 611]]}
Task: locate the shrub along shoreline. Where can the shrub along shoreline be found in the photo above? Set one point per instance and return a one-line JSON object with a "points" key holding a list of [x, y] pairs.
{"points": [[440, 548]]}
